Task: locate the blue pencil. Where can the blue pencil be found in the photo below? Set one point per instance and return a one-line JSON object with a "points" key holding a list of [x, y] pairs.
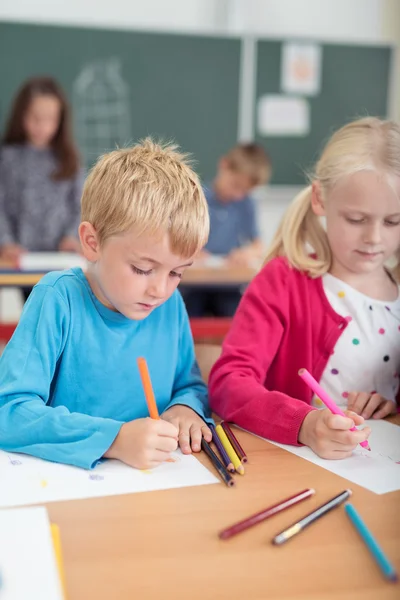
{"points": [[372, 545], [225, 458]]}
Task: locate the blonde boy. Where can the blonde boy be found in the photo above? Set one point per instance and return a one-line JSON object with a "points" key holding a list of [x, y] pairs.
{"points": [[70, 389]]}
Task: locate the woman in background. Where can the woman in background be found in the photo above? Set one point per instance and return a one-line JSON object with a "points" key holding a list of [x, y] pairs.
{"points": [[40, 176]]}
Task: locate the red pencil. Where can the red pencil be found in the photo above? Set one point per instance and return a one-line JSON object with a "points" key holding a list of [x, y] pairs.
{"points": [[236, 446], [265, 514]]}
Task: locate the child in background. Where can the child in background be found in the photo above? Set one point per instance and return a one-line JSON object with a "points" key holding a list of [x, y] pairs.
{"points": [[70, 389], [233, 228], [335, 313], [40, 178]]}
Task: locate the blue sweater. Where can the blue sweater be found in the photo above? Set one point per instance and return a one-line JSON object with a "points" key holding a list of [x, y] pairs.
{"points": [[69, 378]]}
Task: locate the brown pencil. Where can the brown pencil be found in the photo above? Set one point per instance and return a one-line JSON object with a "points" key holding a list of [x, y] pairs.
{"points": [[223, 473], [236, 446], [265, 514]]}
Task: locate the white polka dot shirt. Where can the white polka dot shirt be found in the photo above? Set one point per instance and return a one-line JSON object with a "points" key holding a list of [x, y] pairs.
{"points": [[366, 357]]}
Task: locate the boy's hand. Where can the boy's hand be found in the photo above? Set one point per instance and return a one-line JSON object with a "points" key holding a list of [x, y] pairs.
{"points": [[241, 257], [70, 244], [144, 443], [328, 435], [371, 405], [191, 427]]}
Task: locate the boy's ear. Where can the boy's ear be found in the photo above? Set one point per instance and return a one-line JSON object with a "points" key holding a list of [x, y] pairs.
{"points": [[317, 202], [223, 163], [89, 241]]}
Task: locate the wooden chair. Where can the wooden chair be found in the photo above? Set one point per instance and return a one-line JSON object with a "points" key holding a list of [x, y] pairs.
{"points": [[206, 355]]}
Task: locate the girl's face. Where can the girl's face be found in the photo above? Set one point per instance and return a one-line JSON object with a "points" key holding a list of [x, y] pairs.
{"points": [[42, 120], [362, 221]]}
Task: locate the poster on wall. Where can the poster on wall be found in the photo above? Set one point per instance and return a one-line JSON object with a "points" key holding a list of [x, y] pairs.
{"points": [[280, 115], [301, 68]]}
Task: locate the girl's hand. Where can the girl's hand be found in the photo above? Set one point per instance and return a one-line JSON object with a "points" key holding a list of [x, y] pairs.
{"points": [[370, 406], [329, 435], [191, 427], [11, 252]]}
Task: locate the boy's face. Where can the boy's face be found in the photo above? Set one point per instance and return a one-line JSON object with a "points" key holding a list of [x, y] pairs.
{"points": [[133, 275], [231, 185]]}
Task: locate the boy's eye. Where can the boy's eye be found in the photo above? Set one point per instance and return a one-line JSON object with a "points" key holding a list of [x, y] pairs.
{"points": [[140, 271], [175, 274], [391, 223]]}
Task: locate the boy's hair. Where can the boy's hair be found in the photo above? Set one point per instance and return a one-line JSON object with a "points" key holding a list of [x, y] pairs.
{"points": [[152, 188], [364, 145], [62, 144], [250, 160]]}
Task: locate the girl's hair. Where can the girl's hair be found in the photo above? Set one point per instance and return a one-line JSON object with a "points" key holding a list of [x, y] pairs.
{"points": [[363, 145], [62, 143]]}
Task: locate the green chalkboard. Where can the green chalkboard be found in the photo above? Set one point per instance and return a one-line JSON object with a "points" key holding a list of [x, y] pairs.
{"points": [[355, 81], [177, 87], [185, 88]]}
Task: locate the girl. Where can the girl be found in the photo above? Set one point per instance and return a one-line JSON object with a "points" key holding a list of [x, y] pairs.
{"points": [[40, 178], [335, 312]]}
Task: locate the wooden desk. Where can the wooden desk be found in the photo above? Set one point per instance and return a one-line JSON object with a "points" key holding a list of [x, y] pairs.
{"points": [[164, 545], [194, 276]]}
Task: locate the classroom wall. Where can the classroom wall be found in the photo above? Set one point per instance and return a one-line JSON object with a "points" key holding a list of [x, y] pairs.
{"points": [[368, 21]]}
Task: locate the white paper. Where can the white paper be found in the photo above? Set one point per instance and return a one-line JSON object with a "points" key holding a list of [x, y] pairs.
{"points": [[377, 470], [50, 261], [280, 115], [28, 480], [27, 559], [301, 68]]}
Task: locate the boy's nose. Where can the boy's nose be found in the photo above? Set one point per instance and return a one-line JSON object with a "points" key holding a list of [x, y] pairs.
{"points": [[157, 289]]}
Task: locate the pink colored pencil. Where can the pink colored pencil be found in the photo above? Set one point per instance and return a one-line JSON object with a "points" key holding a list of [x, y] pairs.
{"points": [[265, 514], [327, 400]]}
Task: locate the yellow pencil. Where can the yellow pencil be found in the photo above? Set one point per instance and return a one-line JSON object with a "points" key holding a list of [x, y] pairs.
{"points": [[229, 450], [55, 534]]}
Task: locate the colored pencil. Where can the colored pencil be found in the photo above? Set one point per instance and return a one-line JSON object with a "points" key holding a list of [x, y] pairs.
{"points": [[265, 514], [297, 527], [148, 388], [225, 458], [233, 440], [385, 566], [223, 473], [326, 399], [229, 450]]}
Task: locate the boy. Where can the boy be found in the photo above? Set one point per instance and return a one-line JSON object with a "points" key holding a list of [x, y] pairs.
{"points": [[70, 390], [233, 229]]}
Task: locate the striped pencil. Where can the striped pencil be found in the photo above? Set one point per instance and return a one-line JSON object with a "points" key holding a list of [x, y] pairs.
{"points": [[265, 514], [309, 519], [229, 450], [225, 458], [223, 473], [233, 440]]}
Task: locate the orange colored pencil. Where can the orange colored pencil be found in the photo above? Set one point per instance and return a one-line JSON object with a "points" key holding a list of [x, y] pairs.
{"points": [[147, 388]]}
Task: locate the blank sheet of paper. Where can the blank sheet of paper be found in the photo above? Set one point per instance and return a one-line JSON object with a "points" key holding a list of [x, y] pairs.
{"points": [[28, 480], [27, 561], [377, 470]]}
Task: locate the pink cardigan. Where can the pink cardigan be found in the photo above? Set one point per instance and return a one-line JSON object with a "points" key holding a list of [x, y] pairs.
{"points": [[284, 322]]}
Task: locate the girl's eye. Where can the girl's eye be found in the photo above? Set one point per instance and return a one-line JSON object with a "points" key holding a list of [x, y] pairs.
{"points": [[354, 221], [175, 274], [391, 223], [140, 271]]}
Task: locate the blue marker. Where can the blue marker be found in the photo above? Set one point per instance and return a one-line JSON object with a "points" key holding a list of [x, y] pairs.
{"points": [[372, 545]]}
